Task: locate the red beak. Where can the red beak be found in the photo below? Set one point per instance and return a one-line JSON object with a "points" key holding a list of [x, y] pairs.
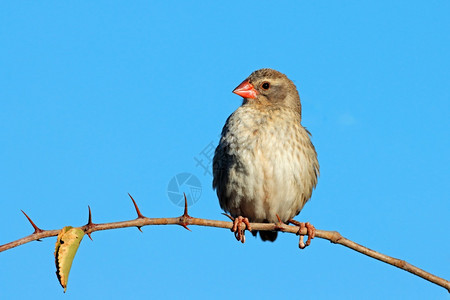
{"points": [[246, 90]]}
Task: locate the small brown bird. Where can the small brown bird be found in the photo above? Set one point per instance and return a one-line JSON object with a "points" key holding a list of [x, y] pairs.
{"points": [[265, 165]]}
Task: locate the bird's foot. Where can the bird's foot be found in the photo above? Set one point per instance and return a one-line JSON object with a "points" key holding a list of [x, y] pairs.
{"points": [[310, 231], [239, 225]]}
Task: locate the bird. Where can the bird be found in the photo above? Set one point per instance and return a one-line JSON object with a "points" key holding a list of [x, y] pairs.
{"points": [[265, 166]]}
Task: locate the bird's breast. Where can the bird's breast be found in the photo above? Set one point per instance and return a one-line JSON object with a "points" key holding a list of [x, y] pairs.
{"points": [[271, 167]]}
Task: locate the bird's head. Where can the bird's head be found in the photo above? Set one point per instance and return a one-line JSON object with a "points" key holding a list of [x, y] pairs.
{"points": [[269, 87]]}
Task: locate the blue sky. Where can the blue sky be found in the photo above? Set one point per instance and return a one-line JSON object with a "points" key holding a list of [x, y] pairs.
{"points": [[104, 98]]}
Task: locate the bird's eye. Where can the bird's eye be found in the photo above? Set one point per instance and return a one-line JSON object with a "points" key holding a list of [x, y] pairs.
{"points": [[265, 85]]}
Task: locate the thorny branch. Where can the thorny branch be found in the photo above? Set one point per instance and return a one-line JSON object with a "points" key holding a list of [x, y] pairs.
{"points": [[185, 220]]}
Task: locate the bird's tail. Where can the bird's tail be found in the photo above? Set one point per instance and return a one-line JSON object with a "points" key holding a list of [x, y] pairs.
{"points": [[266, 235]]}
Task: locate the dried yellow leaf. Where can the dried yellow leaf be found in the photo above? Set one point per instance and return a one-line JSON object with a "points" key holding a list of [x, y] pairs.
{"points": [[67, 244]]}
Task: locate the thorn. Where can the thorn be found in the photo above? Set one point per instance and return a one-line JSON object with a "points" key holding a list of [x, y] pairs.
{"points": [[139, 227], [36, 229], [140, 216], [89, 224], [185, 214], [90, 217], [278, 217], [279, 226], [227, 215], [185, 207], [185, 226]]}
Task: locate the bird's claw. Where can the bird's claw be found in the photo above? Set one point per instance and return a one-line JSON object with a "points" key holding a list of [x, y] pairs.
{"points": [[239, 230], [310, 231]]}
